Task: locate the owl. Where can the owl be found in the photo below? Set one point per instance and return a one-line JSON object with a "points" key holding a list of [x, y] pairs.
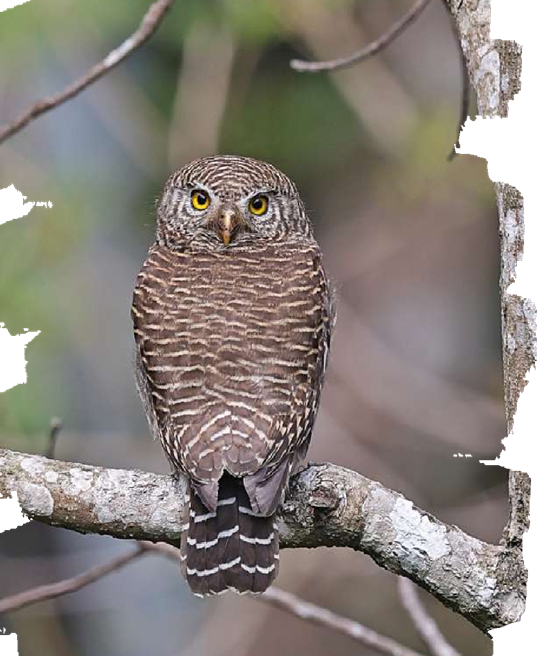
{"points": [[232, 317]]}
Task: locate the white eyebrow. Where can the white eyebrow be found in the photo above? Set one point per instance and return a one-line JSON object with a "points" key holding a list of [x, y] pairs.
{"points": [[198, 185]]}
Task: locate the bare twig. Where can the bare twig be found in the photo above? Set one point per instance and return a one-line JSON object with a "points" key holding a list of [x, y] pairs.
{"points": [[52, 590], [314, 614], [273, 596], [370, 50], [150, 22], [465, 93], [371, 90], [465, 106], [56, 425], [324, 617], [423, 622], [382, 42], [164, 549]]}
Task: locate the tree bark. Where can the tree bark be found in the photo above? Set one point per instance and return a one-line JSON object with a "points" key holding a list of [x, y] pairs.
{"points": [[494, 68]]}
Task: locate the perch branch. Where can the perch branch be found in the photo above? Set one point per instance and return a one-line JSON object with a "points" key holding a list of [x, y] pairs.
{"points": [[150, 22], [326, 506]]}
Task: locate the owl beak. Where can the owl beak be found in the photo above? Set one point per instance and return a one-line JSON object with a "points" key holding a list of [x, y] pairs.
{"points": [[227, 225]]}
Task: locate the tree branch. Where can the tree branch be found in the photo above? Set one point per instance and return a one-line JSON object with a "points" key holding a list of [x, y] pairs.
{"points": [[56, 425], [274, 597], [53, 590], [150, 22], [426, 627], [304, 610], [464, 110], [322, 616], [364, 53], [494, 68], [382, 42], [326, 506]]}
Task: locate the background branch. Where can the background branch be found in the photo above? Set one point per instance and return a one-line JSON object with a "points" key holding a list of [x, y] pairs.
{"points": [[56, 425], [364, 53], [326, 506], [382, 42], [53, 590], [150, 22], [426, 627], [315, 614], [273, 597], [322, 616]]}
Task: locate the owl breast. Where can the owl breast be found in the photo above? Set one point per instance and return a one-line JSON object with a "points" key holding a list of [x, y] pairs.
{"points": [[232, 345]]}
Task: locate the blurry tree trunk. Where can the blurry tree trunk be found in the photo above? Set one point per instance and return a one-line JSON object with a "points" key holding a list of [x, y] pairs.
{"points": [[494, 68]]}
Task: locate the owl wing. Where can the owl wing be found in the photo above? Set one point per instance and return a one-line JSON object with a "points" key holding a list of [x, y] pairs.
{"points": [[144, 392], [291, 434]]}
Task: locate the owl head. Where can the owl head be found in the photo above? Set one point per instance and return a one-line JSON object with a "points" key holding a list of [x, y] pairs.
{"points": [[228, 202]]}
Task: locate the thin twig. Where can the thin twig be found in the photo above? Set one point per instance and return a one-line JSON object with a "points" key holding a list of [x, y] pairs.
{"points": [[423, 622], [273, 596], [56, 425], [150, 22], [164, 549], [465, 92], [370, 50], [317, 615], [52, 590]]}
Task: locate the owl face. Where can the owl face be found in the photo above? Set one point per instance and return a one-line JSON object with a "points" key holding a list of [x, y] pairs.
{"points": [[226, 202]]}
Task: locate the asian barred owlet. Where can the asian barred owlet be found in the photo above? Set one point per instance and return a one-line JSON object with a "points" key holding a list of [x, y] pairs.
{"points": [[232, 319]]}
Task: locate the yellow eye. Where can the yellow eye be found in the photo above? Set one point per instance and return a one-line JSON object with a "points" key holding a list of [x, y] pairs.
{"points": [[200, 200], [258, 205]]}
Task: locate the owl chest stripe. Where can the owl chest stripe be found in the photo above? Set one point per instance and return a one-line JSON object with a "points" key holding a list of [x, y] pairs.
{"points": [[241, 338]]}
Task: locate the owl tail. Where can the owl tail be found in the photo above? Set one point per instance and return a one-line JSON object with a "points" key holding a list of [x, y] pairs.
{"points": [[230, 548]]}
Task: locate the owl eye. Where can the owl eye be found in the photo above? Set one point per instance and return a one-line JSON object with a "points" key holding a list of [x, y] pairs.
{"points": [[258, 205], [200, 200]]}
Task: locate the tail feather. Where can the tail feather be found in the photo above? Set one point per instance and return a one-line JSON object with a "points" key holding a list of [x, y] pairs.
{"points": [[230, 548]]}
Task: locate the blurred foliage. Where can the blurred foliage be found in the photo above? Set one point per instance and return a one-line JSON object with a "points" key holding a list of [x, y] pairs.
{"points": [[283, 130], [300, 122]]}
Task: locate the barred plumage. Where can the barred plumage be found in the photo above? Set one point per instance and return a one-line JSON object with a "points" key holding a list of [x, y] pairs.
{"points": [[232, 317], [230, 548]]}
